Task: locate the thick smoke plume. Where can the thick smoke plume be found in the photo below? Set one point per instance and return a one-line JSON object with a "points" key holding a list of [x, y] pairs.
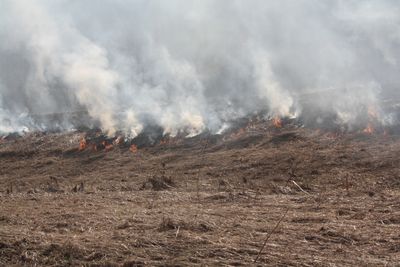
{"points": [[194, 65]]}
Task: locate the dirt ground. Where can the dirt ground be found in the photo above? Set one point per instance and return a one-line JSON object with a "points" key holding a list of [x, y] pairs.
{"points": [[315, 198]]}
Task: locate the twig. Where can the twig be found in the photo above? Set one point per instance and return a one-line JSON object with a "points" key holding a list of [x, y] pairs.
{"points": [[299, 187], [270, 234]]}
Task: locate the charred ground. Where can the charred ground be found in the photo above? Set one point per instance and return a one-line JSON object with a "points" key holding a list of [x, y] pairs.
{"points": [[206, 200]]}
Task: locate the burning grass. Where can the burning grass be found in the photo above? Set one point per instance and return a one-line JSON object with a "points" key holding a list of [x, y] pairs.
{"points": [[276, 127]]}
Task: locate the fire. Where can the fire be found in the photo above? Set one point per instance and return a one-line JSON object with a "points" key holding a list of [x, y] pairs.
{"points": [[133, 148], [107, 146], [82, 144], [373, 116], [277, 122], [369, 129]]}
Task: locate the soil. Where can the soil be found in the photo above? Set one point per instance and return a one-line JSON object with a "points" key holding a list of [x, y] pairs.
{"points": [[314, 198]]}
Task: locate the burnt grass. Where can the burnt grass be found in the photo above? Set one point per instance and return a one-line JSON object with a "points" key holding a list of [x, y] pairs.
{"points": [[204, 201]]}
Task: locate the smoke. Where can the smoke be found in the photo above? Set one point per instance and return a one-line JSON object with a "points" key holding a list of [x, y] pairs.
{"points": [[193, 65]]}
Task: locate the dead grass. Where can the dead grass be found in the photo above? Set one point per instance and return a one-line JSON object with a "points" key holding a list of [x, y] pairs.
{"points": [[158, 183], [181, 204]]}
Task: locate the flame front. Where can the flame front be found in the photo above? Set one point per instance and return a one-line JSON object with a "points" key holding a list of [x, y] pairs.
{"points": [[277, 122], [82, 144], [373, 116], [369, 129]]}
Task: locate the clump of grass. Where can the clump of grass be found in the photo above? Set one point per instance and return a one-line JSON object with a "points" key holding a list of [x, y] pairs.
{"points": [[158, 183], [168, 224]]}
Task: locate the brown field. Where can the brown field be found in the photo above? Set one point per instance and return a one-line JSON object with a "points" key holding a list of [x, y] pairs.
{"points": [[317, 199]]}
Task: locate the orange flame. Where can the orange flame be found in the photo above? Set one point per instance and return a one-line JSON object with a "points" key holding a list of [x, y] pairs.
{"points": [[277, 122], [369, 129], [82, 144], [373, 117], [133, 148]]}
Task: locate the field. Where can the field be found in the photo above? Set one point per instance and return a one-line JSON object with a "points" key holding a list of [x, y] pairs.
{"points": [[314, 198]]}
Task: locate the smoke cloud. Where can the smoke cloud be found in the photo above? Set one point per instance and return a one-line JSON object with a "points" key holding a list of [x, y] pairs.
{"points": [[194, 65]]}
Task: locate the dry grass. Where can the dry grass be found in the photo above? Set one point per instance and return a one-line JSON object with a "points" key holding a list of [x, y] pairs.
{"points": [[185, 204]]}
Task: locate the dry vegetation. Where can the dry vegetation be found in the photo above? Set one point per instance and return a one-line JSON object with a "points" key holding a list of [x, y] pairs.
{"points": [[202, 201]]}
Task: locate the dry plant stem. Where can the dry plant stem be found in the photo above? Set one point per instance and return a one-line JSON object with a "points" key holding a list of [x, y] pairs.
{"points": [[299, 187], [270, 234]]}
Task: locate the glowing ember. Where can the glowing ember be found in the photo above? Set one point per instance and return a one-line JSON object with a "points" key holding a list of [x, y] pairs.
{"points": [[369, 130], [133, 148], [82, 144], [277, 122]]}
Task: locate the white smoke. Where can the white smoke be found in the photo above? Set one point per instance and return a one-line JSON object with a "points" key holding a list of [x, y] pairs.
{"points": [[192, 65], [278, 99]]}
